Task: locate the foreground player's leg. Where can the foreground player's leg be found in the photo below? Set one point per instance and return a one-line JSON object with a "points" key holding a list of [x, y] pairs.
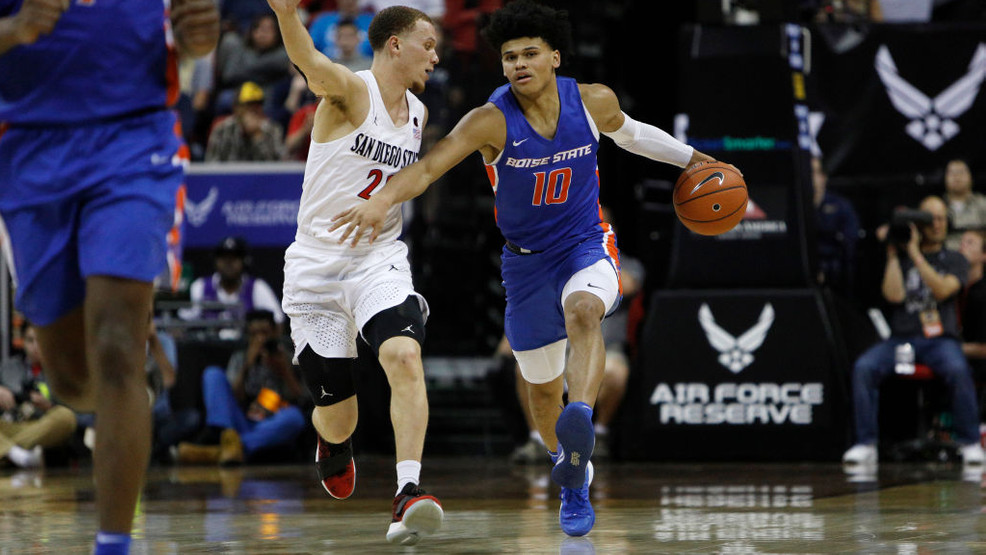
{"points": [[584, 373], [332, 386], [415, 513]]}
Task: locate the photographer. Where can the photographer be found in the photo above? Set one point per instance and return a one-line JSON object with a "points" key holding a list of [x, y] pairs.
{"points": [[253, 406], [921, 281]]}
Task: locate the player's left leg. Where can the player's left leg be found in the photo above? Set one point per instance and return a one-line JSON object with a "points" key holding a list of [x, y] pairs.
{"points": [[115, 323], [396, 335], [586, 298]]}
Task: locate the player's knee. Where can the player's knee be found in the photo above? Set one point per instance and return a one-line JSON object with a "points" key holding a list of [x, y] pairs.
{"points": [[401, 356], [583, 313], [118, 358], [543, 396]]}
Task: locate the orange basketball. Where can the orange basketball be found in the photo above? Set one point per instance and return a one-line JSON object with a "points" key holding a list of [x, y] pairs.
{"points": [[710, 198]]}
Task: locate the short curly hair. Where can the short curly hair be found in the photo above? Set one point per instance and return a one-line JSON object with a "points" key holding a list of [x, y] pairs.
{"points": [[393, 21], [526, 18]]}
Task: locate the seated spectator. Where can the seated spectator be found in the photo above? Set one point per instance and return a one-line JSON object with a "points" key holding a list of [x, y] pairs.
{"points": [[169, 426], [837, 227], [921, 281], [966, 208], [30, 420], [259, 58], [248, 135], [253, 406], [323, 28], [233, 286], [972, 309]]}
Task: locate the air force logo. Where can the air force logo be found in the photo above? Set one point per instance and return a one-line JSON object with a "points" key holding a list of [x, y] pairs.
{"points": [[198, 212], [735, 353], [932, 120]]}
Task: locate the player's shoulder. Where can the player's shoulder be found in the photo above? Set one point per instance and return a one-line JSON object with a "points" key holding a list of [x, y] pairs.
{"points": [[596, 92]]}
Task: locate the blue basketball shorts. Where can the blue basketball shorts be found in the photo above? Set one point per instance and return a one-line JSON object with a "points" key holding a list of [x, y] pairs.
{"points": [[534, 283], [87, 200]]}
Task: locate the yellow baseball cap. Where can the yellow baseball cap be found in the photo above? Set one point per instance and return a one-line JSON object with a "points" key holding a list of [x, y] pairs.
{"points": [[250, 92]]}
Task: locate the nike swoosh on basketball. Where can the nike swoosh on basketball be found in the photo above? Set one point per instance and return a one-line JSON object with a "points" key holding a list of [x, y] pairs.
{"points": [[716, 175], [518, 143]]}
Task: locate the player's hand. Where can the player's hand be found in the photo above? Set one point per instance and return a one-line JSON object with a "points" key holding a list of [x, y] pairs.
{"points": [[283, 6], [36, 18], [368, 216], [196, 25]]}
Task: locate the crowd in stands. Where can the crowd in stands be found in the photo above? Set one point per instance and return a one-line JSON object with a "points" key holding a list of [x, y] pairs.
{"points": [[246, 102]]}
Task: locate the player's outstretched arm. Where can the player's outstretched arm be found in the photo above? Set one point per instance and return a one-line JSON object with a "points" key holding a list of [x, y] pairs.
{"points": [[196, 26], [35, 18], [482, 129], [633, 136], [325, 78]]}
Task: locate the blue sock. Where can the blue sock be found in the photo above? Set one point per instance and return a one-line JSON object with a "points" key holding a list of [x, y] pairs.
{"points": [[108, 543]]}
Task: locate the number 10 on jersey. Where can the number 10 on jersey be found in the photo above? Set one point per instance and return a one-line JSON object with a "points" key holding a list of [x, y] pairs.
{"points": [[551, 188]]}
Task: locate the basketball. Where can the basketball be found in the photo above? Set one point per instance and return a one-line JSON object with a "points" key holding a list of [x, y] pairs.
{"points": [[710, 198]]}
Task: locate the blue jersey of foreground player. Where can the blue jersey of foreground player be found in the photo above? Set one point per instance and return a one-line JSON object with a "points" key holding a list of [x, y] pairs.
{"points": [[105, 59], [547, 203], [547, 190], [91, 162]]}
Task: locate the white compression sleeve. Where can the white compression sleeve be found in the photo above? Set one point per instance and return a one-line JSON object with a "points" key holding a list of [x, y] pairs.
{"points": [[649, 141]]}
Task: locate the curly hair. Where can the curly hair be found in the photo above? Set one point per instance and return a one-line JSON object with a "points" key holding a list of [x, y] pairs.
{"points": [[393, 21], [526, 18]]}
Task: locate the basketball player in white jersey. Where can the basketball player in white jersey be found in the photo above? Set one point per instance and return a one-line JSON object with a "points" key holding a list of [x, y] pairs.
{"points": [[367, 126]]}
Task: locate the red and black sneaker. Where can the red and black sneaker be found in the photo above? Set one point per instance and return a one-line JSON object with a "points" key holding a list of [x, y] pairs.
{"points": [[336, 468], [415, 515]]}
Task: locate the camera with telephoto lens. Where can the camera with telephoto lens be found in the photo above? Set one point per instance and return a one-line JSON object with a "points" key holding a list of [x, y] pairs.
{"points": [[900, 224]]}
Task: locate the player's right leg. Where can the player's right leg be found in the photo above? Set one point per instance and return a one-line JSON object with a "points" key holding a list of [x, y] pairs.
{"points": [[316, 292], [331, 383]]}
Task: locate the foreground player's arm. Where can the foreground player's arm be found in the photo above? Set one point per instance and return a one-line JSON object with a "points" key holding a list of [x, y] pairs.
{"points": [[35, 18], [482, 129], [325, 78], [196, 26], [634, 136]]}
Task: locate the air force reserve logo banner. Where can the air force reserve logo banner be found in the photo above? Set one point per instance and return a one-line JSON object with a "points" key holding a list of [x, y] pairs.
{"points": [[902, 100], [932, 120], [742, 373]]}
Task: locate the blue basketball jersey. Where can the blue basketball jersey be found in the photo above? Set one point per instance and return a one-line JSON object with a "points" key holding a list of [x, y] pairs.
{"points": [[114, 57], [547, 191]]}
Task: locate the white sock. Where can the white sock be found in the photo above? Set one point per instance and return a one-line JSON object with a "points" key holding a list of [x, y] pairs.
{"points": [[24, 458], [407, 472]]}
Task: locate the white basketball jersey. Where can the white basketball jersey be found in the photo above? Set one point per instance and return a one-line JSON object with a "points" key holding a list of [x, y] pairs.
{"points": [[343, 173]]}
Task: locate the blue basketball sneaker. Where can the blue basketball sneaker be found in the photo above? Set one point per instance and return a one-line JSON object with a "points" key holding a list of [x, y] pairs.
{"points": [[576, 515], [576, 439]]}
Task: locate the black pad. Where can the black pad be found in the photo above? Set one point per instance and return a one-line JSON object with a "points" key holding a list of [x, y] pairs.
{"points": [[329, 380], [405, 319]]}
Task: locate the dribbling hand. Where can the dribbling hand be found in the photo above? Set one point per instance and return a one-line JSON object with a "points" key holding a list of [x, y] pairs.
{"points": [[368, 216]]}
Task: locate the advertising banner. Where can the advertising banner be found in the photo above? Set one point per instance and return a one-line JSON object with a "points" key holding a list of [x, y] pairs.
{"points": [[896, 100], [258, 202], [740, 375]]}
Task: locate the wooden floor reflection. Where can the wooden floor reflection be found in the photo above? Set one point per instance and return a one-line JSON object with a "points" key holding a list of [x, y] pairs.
{"points": [[493, 507]]}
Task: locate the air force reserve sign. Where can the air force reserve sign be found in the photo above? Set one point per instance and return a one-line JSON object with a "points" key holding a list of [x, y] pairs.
{"points": [[745, 374]]}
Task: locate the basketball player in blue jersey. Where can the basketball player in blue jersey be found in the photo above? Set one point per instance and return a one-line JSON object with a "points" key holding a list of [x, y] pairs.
{"points": [[90, 165], [539, 136]]}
